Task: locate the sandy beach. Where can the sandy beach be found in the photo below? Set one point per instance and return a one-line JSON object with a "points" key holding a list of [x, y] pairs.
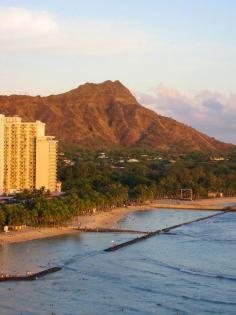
{"points": [[109, 218]]}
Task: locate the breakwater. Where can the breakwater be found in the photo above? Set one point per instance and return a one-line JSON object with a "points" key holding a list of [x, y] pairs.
{"points": [[29, 277], [106, 230], [161, 231]]}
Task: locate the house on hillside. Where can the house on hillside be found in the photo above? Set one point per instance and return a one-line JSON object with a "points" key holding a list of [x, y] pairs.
{"points": [[215, 194], [217, 158], [133, 161]]}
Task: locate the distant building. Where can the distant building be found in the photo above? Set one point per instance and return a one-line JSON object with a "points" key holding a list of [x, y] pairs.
{"points": [[215, 194], [102, 155], [133, 161], [68, 162], [58, 186], [28, 158], [218, 158]]}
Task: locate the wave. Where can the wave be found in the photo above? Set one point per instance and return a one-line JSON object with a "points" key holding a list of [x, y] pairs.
{"points": [[71, 269], [218, 240], [183, 296], [180, 233], [220, 302], [79, 257], [204, 238], [208, 274], [194, 272]]}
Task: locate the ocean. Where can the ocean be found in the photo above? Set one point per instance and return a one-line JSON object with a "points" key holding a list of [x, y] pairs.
{"points": [[189, 271]]}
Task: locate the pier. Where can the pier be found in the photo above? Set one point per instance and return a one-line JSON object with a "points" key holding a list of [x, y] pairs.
{"points": [[161, 231], [29, 277], [106, 230]]}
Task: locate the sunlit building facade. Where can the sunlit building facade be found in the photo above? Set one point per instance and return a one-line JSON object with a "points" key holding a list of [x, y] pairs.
{"points": [[28, 158]]}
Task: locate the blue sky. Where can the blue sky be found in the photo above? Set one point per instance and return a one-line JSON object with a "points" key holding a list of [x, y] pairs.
{"points": [[185, 46]]}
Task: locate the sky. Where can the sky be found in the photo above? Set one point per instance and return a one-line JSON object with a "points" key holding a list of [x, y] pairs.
{"points": [[177, 56]]}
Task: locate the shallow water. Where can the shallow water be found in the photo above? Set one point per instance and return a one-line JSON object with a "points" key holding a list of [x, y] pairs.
{"points": [[192, 271]]}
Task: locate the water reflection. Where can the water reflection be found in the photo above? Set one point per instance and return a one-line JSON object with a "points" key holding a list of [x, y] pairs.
{"points": [[192, 271]]}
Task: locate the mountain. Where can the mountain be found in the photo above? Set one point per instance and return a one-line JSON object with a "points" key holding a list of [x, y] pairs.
{"points": [[107, 115]]}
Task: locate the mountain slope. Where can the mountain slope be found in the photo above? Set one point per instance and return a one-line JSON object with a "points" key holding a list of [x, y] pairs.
{"points": [[107, 115]]}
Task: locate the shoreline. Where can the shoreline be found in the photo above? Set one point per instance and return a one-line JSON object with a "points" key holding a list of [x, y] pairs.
{"points": [[109, 218]]}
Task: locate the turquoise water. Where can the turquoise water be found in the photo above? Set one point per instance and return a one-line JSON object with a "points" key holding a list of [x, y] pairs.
{"points": [[192, 271]]}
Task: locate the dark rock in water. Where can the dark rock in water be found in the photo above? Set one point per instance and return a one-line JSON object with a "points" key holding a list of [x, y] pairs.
{"points": [[29, 277]]}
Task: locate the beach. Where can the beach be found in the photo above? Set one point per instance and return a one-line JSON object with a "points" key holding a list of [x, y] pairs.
{"points": [[109, 218], [185, 270]]}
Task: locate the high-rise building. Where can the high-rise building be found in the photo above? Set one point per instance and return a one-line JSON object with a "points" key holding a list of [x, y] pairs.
{"points": [[46, 155], [28, 158]]}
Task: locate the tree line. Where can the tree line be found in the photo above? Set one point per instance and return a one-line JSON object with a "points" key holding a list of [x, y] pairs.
{"points": [[91, 185]]}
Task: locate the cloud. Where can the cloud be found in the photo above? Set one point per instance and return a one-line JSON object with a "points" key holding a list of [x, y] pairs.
{"points": [[210, 112], [24, 22], [23, 30]]}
